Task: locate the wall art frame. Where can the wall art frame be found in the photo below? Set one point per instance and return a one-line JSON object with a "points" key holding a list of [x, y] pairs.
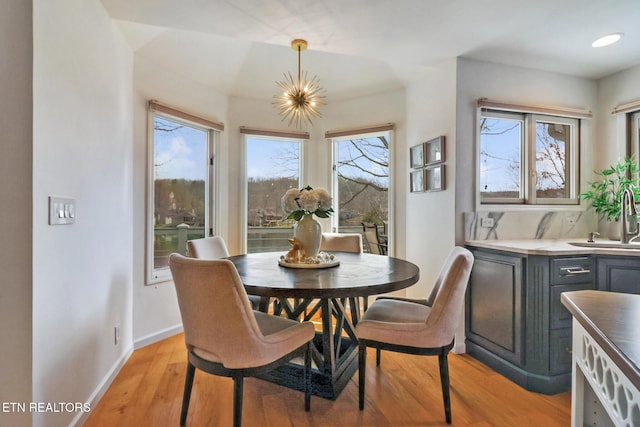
{"points": [[416, 184], [434, 178], [434, 151], [416, 156]]}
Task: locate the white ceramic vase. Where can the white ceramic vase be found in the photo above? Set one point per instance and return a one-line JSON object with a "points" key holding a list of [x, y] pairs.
{"points": [[309, 233]]}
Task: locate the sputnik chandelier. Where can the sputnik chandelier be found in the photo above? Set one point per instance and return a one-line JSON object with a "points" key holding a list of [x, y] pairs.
{"points": [[300, 100]]}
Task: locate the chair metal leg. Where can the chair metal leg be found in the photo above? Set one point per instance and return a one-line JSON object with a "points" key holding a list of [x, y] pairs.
{"points": [[237, 400], [362, 367], [307, 378], [444, 380], [186, 397], [378, 355]]}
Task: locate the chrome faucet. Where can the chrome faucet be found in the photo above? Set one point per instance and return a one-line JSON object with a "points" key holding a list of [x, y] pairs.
{"points": [[628, 205]]}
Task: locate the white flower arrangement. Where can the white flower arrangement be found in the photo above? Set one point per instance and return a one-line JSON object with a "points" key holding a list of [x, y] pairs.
{"points": [[296, 203]]}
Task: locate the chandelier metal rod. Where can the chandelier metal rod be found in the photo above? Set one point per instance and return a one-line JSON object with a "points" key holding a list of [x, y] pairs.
{"points": [[299, 56]]}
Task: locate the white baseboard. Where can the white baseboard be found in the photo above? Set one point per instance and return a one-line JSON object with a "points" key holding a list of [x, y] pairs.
{"points": [[157, 336], [104, 385], [102, 388], [459, 348]]}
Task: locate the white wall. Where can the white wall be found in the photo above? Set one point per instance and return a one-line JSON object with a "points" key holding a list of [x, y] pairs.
{"points": [[16, 151], [610, 138], [82, 148], [477, 79], [430, 215], [155, 309]]}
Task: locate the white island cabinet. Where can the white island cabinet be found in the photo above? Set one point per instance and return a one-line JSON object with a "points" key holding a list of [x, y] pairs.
{"points": [[605, 387]]}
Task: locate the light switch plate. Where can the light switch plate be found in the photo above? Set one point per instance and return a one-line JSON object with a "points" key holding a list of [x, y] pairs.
{"points": [[62, 211], [486, 222]]}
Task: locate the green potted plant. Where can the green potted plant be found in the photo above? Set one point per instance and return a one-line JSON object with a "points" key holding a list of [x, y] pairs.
{"points": [[605, 195]]}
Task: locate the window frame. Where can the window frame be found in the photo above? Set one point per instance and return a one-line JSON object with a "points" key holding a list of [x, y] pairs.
{"points": [[528, 195], [159, 275], [634, 134], [247, 134], [524, 153], [389, 132], [572, 161]]}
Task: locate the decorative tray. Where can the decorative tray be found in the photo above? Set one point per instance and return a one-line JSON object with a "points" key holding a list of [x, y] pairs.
{"points": [[323, 260]]}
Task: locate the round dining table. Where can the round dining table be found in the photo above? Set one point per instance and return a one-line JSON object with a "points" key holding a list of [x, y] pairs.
{"points": [[330, 294]]}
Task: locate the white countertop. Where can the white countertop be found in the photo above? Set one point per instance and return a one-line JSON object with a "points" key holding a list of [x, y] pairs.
{"points": [[553, 247]]}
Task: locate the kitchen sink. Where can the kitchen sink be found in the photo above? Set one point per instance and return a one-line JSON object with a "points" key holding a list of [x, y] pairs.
{"points": [[607, 245]]}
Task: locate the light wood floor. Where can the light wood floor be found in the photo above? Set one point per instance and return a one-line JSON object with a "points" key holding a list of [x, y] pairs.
{"points": [[403, 391]]}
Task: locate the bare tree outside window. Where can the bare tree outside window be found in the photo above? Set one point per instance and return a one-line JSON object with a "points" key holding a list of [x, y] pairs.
{"points": [[500, 157], [551, 142], [507, 175], [362, 167]]}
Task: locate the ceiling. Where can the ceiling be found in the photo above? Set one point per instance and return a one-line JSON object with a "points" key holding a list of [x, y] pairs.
{"points": [[356, 47]]}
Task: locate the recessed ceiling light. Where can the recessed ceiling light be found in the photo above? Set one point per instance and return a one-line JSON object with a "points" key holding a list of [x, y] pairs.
{"points": [[607, 40]]}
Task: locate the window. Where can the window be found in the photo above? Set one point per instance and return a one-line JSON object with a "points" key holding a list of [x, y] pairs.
{"points": [[528, 158], [273, 167], [361, 184], [180, 188], [635, 134], [632, 120]]}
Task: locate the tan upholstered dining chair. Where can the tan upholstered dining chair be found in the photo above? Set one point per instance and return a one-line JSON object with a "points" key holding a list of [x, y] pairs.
{"points": [[225, 337], [215, 248], [422, 326], [341, 242], [208, 248], [345, 242]]}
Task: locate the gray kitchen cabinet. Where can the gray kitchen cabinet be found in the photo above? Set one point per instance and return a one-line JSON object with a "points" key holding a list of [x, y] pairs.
{"points": [[619, 274], [515, 322]]}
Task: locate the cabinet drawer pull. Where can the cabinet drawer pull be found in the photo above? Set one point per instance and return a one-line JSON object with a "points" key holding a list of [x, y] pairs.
{"points": [[574, 270]]}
